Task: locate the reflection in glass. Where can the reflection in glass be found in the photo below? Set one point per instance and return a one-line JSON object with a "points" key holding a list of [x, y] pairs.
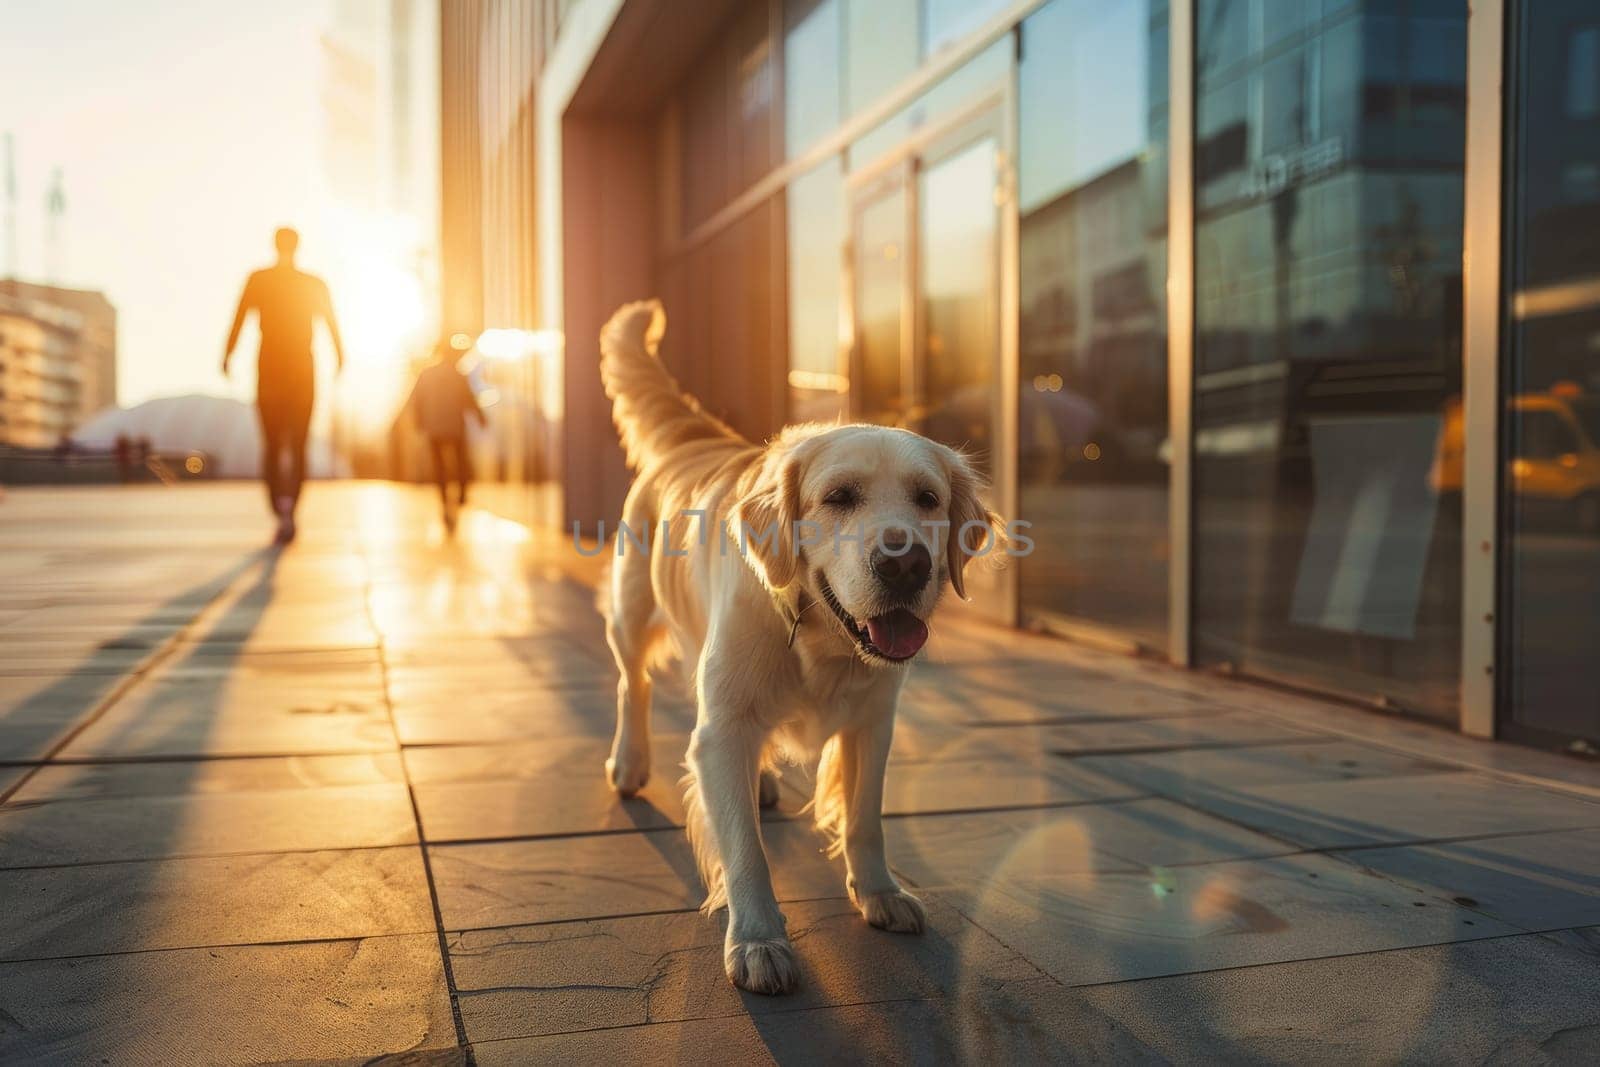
{"points": [[882, 394], [1328, 182], [818, 387], [956, 240], [1552, 505], [880, 48], [945, 22], [810, 72], [1093, 409]]}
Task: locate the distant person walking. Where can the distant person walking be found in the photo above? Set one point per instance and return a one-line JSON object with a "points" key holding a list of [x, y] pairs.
{"points": [[440, 402], [287, 302]]}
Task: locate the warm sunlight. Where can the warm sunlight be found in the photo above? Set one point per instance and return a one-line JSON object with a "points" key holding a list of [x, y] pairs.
{"points": [[799, 531], [379, 292]]}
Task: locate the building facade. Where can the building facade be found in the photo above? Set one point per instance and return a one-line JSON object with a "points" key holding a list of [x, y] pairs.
{"points": [[58, 361], [492, 53], [1189, 279]]}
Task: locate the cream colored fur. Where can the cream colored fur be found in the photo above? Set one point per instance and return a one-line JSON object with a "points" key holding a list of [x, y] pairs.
{"points": [[764, 698]]}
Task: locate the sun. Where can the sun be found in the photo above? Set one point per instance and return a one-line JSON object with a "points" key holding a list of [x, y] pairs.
{"points": [[381, 310]]}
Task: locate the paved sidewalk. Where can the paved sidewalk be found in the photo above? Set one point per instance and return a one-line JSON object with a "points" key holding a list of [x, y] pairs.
{"points": [[347, 801]]}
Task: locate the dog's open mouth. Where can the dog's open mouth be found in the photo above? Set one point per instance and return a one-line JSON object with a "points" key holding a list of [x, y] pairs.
{"points": [[895, 635]]}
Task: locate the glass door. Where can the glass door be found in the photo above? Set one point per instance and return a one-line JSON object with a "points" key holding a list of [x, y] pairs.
{"points": [[882, 376], [926, 241], [958, 337]]}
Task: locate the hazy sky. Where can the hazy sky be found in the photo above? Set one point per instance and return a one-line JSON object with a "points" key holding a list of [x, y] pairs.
{"points": [[187, 130]]}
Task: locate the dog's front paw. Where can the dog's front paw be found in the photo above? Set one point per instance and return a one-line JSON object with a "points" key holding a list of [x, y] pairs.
{"points": [[767, 966], [627, 771], [895, 910]]}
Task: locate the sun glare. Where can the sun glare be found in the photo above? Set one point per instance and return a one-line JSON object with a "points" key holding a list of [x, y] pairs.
{"points": [[379, 291]]}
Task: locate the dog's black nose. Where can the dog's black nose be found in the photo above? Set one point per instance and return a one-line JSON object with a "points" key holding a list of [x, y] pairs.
{"points": [[902, 568]]}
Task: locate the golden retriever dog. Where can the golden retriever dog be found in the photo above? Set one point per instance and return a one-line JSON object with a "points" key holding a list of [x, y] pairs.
{"points": [[796, 581]]}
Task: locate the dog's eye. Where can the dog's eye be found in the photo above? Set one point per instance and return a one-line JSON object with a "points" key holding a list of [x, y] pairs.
{"points": [[927, 500], [842, 497]]}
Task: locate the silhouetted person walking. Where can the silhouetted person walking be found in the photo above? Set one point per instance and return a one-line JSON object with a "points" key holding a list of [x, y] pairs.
{"points": [[287, 303], [440, 401]]}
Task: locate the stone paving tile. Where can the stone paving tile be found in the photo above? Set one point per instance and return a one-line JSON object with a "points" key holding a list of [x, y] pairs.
{"points": [[261, 625], [972, 849], [95, 909], [538, 788], [451, 685], [24, 653], [44, 832], [1025, 1022], [1089, 738], [1585, 939], [38, 712], [1199, 772], [251, 1004], [1037, 779], [556, 879], [1371, 811], [521, 712], [532, 980], [254, 713], [507, 883], [335, 666], [1524, 999], [409, 610], [527, 652], [1115, 926], [53, 664], [1534, 881], [87, 781], [948, 695], [103, 617]]}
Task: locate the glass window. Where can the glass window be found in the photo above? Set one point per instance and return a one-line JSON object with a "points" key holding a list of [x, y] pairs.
{"points": [[1583, 74], [818, 387], [945, 22], [881, 45], [1327, 348], [988, 71], [1092, 179], [810, 72], [956, 245], [1552, 380], [883, 394]]}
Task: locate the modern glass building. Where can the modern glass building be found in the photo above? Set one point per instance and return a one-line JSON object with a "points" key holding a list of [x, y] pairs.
{"points": [[1280, 321]]}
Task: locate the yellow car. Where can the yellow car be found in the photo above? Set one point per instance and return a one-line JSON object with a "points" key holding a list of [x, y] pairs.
{"points": [[1555, 460]]}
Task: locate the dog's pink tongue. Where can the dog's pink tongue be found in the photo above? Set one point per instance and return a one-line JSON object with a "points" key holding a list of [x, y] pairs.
{"points": [[898, 635]]}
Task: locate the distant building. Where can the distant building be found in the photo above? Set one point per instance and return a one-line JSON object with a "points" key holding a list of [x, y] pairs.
{"points": [[58, 361]]}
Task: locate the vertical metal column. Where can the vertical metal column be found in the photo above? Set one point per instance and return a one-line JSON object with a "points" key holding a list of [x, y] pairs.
{"points": [[1180, 329], [1480, 400]]}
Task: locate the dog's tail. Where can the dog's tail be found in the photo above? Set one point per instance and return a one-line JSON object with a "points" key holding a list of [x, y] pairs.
{"points": [[653, 414]]}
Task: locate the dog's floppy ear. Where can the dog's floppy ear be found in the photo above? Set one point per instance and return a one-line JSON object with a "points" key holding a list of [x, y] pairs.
{"points": [[763, 523], [974, 529]]}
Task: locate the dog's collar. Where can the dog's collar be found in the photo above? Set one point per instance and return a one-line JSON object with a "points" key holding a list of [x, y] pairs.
{"points": [[790, 613]]}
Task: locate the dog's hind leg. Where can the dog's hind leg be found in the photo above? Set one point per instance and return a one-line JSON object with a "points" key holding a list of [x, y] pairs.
{"points": [[631, 631]]}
